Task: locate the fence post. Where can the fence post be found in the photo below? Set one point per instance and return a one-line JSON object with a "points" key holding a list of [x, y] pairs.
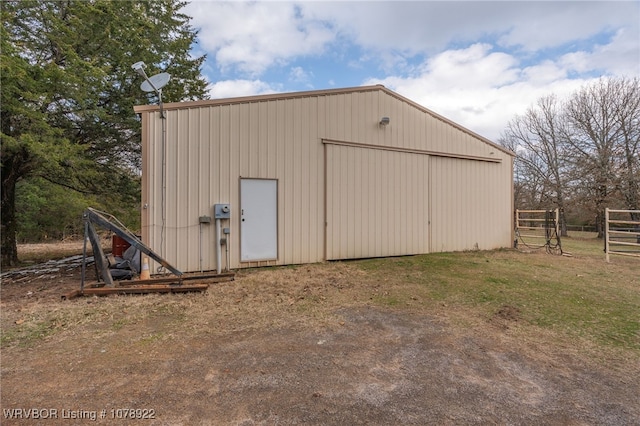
{"points": [[606, 232]]}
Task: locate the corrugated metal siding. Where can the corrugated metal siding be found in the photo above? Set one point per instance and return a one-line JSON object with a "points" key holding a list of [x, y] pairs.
{"points": [[470, 205], [209, 149], [377, 203], [211, 145]]}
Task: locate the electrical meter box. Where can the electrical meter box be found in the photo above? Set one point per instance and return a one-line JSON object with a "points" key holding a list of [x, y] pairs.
{"points": [[221, 211]]}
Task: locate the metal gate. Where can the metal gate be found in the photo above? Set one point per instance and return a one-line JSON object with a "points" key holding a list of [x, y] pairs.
{"points": [[622, 236], [538, 229]]}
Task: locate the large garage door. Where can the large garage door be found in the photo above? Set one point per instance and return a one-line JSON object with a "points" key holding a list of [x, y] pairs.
{"points": [[377, 203]]}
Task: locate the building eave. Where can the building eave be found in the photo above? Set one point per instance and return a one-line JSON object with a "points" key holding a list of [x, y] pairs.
{"points": [[326, 92]]}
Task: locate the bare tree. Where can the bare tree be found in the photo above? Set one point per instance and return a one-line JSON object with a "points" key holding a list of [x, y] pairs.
{"points": [[583, 154], [627, 114], [604, 142], [539, 139]]}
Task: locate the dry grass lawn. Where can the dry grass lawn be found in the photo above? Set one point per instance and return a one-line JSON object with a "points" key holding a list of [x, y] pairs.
{"points": [[475, 337]]}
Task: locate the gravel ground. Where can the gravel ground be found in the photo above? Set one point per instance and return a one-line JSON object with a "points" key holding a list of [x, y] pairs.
{"points": [[290, 346]]}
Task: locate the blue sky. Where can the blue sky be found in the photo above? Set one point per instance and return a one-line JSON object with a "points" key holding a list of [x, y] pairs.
{"points": [[476, 62]]}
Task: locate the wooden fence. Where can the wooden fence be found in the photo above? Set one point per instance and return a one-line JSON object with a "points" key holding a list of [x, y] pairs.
{"points": [[622, 235]]}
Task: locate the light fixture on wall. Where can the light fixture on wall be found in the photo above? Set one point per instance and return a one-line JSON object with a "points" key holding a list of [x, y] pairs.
{"points": [[384, 121], [155, 83]]}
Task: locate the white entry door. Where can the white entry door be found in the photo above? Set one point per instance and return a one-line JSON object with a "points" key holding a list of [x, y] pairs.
{"points": [[258, 219]]}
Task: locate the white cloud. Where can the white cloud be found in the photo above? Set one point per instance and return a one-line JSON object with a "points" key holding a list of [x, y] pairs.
{"points": [[428, 26], [481, 89], [471, 67], [546, 24], [546, 72], [235, 88], [253, 36], [300, 75], [476, 62], [621, 56]]}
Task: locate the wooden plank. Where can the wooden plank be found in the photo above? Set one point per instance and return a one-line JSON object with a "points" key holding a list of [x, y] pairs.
{"points": [[623, 243], [142, 289], [532, 211], [165, 284], [622, 253], [624, 222], [173, 279], [622, 211]]}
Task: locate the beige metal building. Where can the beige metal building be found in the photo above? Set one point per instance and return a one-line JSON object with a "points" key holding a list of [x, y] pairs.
{"points": [[312, 176]]}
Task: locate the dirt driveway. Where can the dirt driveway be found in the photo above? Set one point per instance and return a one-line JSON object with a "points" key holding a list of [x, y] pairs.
{"points": [[303, 345]]}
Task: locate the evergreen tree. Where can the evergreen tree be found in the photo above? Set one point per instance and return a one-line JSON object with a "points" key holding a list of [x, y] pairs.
{"points": [[68, 93]]}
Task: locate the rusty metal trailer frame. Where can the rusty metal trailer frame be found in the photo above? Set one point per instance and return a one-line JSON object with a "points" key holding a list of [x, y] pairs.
{"points": [[166, 284]]}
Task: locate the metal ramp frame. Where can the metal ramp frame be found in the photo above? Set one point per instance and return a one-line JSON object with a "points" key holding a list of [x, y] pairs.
{"points": [[178, 282]]}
